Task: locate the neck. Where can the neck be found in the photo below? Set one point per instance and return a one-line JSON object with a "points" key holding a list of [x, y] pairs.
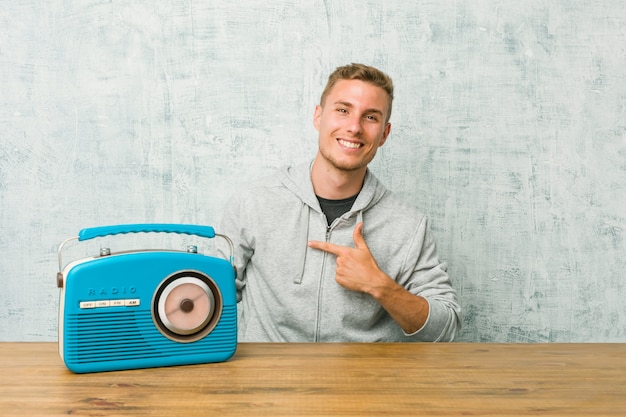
{"points": [[332, 183]]}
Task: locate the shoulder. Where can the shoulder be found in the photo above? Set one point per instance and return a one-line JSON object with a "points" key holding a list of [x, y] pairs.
{"points": [[399, 209], [273, 186]]}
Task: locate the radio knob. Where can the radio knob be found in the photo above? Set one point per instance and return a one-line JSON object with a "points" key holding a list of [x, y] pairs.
{"points": [[186, 305]]}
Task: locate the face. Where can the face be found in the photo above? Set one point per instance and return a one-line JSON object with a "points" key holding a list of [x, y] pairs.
{"points": [[352, 124]]}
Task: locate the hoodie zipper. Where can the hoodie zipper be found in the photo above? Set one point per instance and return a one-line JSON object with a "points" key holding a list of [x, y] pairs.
{"points": [[321, 284]]}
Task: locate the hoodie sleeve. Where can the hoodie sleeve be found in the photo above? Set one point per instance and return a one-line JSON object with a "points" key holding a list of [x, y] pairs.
{"points": [[429, 279], [233, 224]]}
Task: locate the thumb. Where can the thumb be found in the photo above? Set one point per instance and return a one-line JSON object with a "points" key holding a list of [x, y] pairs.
{"points": [[357, 236]]}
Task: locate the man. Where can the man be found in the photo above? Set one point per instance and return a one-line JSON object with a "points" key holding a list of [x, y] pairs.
{"points": [[324, 252]]}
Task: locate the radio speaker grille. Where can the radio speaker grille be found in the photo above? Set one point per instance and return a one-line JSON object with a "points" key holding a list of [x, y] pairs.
{"points": [[130, 335]]}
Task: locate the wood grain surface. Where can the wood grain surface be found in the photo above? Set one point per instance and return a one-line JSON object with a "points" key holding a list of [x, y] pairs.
{"points": [[330, 379]]}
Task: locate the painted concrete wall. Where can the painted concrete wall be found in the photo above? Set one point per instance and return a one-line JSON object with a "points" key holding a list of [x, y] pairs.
{"points": [[509, 130]]}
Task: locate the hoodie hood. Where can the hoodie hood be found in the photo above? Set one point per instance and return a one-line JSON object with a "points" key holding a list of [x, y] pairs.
{"points": [[298, 180]]}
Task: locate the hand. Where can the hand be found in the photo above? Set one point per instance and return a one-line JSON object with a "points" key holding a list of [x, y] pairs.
{"points": [[357, 269]]}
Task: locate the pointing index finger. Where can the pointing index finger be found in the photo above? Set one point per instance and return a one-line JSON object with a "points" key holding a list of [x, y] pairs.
{"points": [[325, 246]]}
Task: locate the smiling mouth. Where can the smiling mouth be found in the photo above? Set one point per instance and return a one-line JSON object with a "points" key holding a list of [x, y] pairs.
{"points": [[349, 145]]}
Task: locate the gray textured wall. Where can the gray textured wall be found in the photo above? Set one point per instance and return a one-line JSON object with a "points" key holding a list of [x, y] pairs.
{"points": [[509, 130]]}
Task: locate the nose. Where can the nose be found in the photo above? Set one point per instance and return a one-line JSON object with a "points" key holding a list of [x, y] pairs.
{"points": [[355, 126]]}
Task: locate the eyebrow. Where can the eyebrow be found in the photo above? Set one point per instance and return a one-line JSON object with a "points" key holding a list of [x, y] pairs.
{"points": [[368, 111]]}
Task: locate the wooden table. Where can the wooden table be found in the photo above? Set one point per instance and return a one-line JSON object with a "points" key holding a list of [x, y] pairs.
{"points": [[330, 379]]}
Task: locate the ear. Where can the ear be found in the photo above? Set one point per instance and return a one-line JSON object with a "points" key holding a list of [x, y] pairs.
{"points": [[385, 134], [316, 117]]}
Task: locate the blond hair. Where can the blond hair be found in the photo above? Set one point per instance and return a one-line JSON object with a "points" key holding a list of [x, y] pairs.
{"points": [[360, 72]]}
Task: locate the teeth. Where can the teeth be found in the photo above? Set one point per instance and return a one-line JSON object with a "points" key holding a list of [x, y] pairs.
{"points": [[350, 145]]}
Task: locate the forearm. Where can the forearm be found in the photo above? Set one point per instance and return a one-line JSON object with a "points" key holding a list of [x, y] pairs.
{"points": [[410, 311]]}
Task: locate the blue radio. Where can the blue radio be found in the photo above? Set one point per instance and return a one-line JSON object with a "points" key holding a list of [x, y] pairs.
{"points": [[147, 308]]}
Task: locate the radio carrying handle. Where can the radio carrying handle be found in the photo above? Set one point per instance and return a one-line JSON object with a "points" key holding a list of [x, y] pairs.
{"points": [[187, 229]]}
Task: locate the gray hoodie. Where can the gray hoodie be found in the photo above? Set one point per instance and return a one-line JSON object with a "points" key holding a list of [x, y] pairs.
{"points": [[287, 291]]}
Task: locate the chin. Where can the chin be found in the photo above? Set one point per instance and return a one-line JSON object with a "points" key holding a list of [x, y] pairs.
{"points": [[348, 167], [342, 163]]}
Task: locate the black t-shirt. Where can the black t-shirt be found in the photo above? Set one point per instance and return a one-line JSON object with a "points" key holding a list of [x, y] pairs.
{"points": [[336, 208]]}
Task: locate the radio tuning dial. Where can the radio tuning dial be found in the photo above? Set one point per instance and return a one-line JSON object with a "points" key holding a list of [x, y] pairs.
{"points": [[186, 306]]}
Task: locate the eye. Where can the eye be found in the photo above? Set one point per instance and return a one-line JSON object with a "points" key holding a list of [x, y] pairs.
{"points": [[371, 118]]}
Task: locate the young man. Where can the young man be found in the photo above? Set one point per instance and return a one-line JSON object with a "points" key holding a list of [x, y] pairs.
{"points": [[324, 252]]}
